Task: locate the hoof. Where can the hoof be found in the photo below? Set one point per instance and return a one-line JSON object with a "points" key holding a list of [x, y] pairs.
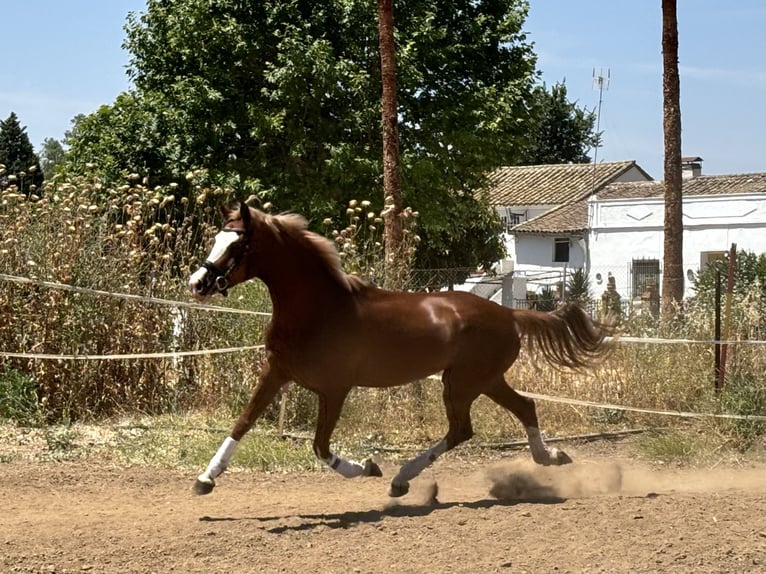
{"points": [[396, 490], [561, 458], [203, 486], [433, 493], [371, 469]]}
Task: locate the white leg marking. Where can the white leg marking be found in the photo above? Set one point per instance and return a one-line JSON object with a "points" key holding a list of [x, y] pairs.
{"points": [[414, 467], [220, 461], [540, 453], [346, 468]]}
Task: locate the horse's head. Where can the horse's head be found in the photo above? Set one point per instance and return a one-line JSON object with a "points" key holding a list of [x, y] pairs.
{"points": [[224, 267]]}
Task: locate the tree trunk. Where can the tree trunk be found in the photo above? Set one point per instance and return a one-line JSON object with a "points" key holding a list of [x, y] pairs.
{"points": [[673, 277], [392, 187]]}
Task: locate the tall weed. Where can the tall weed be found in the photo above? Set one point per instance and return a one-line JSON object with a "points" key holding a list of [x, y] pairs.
{"points": [[130, 239], [146, 241]]}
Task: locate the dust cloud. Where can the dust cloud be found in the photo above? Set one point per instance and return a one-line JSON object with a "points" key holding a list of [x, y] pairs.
{"points": [[525, 480], [522, 479]]}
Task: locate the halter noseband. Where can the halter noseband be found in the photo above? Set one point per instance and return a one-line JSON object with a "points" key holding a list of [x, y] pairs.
{"points": [[221, 276]]}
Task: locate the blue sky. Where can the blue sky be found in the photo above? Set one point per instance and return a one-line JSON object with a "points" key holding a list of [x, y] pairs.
{"points": [[74, 63], [722, 64]]}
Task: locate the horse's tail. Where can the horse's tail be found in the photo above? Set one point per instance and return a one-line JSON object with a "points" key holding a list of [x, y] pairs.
{"points": [[567, 337]]}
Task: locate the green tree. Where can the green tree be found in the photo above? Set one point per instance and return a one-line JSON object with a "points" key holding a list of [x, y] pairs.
{"points": [[52, 154], [749, 292], [22, 166], [749, 270], [138, 133], [283, 100], [560, 132]]}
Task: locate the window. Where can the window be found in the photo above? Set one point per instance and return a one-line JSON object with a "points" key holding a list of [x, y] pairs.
{"points": [[510, 219], [644, 272], [561, 250], [709, 257]]}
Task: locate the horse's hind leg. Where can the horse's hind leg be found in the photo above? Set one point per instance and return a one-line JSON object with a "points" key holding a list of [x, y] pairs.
{"points": [[269, 384], [524, 409], [457, 401], [330, 405]]}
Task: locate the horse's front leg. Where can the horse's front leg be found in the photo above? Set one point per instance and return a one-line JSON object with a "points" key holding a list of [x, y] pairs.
{"points": [[268, 385], [330, 405]]}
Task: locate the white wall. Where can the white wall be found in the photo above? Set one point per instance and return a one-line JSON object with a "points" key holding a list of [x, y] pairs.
{"points": [[534, 258], [623, 230], [533, 254], [633, 174]]}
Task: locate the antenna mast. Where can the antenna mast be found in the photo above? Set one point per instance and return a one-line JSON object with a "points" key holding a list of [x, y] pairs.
{"points": [[601, 83]]}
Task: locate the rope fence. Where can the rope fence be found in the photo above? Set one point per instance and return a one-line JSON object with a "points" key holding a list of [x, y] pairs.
{"points": [[215, 308], [128, 356], [128, 296]]}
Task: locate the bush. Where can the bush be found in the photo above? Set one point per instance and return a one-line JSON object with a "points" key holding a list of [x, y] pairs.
{"points": [[18, 398], [749, 293], [744, 395], [578, 286]]}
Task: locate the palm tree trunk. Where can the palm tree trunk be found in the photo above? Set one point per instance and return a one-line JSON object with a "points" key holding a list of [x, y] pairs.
{"points": [[673, 277], [392, 187]]}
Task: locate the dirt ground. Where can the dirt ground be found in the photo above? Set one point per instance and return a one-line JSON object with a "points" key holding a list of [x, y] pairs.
{"points": [[604, 513]]}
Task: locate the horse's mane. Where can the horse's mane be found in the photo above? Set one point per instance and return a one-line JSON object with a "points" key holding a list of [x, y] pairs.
{"points": [[296, 227]]}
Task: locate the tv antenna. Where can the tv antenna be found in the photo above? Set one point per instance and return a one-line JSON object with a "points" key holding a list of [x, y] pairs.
{"points": [[600, 82]]}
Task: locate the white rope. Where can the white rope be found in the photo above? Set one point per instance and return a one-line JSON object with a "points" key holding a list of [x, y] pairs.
{"points": [[202, 307], [167, 355], [606, 406], [657, 340], [129, 297], [568, 401], [178, 354]]}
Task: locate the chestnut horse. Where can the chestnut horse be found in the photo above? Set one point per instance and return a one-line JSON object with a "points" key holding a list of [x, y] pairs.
{"points": [[331, 331]]}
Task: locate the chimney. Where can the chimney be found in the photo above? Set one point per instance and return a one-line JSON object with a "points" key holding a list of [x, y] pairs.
{"points": [[691, 167]]}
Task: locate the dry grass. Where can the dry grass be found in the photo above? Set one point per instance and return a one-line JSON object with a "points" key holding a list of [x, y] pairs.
{"points": [[144, 241], [132, 240]]}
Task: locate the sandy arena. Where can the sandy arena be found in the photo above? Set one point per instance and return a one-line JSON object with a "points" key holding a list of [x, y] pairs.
{"points": [[600, 514]]}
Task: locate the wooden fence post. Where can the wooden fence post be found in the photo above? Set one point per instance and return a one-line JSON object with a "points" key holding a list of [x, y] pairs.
{"points": [[717, 330], [727, 314]]}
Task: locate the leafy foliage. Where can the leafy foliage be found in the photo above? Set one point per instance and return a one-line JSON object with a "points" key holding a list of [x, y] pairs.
{"points": [[18, 397], [744, 395], [546, 301], [138, 134], [750, 269], [22, 166], [282, 100], [561, 132], [52, 155], [578, 286], [749, 292]]}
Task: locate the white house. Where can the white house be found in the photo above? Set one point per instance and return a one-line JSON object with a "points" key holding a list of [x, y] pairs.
{"points": [[608, 219], [544, 237], [626, 220]]}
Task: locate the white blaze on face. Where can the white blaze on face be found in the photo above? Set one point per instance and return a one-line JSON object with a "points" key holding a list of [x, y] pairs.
{"points": [[223, 240]]}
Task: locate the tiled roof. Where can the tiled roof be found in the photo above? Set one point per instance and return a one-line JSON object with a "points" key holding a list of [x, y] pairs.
{"points": [[573, 216], [700, 185], [551, 184]]}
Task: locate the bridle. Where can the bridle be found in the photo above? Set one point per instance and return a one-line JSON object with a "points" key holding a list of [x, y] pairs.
{"points": [[220, 276]]}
